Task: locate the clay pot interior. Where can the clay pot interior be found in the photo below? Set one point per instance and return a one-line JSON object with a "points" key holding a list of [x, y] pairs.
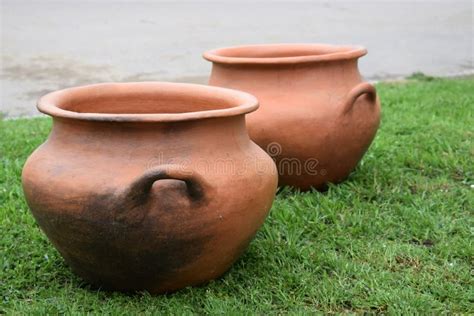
{"points": [[163, 101], [283, 53]]}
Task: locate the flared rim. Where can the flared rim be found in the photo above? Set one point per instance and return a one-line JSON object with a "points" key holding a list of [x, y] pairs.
{"points": [[292, 53], [241, 102]]}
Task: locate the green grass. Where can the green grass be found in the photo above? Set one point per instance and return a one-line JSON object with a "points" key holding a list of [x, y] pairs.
{"points": [[396, 237]]}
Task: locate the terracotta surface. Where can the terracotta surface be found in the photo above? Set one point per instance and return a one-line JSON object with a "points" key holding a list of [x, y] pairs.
{"points": [[317, 117], [152, 186]]}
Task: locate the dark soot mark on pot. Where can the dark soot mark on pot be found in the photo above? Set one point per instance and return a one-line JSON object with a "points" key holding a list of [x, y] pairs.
{"points": [[112, 242], [196, 192]]}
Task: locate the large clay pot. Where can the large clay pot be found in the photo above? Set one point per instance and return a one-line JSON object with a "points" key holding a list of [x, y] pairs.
{"points": [[149, 186], [317, 117]]}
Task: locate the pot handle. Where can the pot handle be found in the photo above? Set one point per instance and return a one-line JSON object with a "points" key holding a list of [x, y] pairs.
{"points": [[138, 192], [356, 92]]}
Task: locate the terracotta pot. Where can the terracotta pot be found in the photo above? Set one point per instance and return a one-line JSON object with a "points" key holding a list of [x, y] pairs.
{"points": [[317, 117], [149, 186]]}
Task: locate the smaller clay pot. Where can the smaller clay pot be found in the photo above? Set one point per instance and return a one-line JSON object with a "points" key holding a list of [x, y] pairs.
{"points": [[149, 186], [317, 116]]}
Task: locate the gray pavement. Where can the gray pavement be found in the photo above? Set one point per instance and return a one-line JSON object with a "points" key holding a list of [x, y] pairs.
{"points": [[49, 45]]}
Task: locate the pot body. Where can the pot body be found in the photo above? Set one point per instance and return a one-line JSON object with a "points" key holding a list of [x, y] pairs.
{"points": [[149, 206], [316, 119]]}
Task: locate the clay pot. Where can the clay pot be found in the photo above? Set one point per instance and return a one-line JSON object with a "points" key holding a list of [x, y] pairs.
{"points": [[149, 186], [317, 117]]}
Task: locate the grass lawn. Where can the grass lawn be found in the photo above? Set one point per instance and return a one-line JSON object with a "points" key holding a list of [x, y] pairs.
{"points": [[396, 237]]}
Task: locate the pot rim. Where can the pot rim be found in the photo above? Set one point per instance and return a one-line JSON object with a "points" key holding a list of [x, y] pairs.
{"points": [[244, 102], [341, 52]]}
